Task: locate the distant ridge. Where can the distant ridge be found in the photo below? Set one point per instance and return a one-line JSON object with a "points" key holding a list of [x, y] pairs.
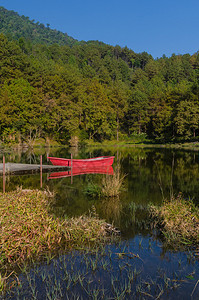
{"points": [[15, 26]]}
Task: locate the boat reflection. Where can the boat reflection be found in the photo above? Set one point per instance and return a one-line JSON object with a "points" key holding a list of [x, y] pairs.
{"points": [[83, 170]]}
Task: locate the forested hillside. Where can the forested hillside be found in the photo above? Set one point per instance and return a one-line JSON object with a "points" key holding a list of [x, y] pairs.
{"points": [[93, 90], [15, 27]]}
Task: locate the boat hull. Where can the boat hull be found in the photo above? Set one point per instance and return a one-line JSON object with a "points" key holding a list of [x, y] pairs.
{"points": [[94, 162], [82, 171]]}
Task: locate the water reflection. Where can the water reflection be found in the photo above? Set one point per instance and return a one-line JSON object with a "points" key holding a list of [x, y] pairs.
{"points": [[82, 170], [151, 174], [112, 208]]}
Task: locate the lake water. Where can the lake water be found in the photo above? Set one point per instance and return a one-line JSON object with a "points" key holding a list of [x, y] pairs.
{"points": [[139, 265]]}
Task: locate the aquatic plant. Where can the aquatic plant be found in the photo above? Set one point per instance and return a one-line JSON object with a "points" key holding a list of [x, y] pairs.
{"points": [[179, 220], [112, 184], [93, 190], [29, 231], [72, 276]]}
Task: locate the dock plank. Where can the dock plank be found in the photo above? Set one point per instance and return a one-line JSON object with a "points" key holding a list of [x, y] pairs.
{"points": [[13, 168]]}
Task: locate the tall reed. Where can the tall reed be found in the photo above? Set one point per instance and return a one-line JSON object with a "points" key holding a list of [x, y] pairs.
{"points": [[112, 184]]}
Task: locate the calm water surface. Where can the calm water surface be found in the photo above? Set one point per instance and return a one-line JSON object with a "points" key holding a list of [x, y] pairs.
{"points": [[157, 272]]}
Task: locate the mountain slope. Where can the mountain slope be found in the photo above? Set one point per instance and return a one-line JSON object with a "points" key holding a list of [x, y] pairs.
{"points": [[15, 26]]}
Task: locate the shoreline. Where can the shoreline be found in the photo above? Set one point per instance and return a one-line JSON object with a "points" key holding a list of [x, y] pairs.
{"points": [[194, 146]]}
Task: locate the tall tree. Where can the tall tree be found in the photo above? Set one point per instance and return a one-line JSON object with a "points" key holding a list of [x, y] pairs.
{"points": [[118, 96]]}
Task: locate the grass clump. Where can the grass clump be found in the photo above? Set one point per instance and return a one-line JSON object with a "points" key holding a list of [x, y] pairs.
{"points": [[179, 220], [112, 184], [28, 230], [93, 190]]}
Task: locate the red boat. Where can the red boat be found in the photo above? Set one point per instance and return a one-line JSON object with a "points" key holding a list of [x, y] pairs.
{"points": [[94, 162], [82, 170]]}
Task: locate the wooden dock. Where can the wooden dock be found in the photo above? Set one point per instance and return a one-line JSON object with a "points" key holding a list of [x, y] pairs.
{"points": [[15, 168]]}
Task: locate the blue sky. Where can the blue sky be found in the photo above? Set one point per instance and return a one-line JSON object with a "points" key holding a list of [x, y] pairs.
{"points": [[157, 27]]}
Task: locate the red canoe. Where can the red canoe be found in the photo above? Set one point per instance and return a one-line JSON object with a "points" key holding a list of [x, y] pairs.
{"points": [[83, 170], [94, 162]]}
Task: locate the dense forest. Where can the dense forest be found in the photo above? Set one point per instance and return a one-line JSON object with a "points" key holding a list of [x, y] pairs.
{"points": [[52, 86], [15, 27]]}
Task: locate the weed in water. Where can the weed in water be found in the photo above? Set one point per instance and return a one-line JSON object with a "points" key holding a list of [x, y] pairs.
{"points": [[81, 280], [69, 282], [150, 244], [105, 264], [34, 233], [161, 291], [178, 219], [166, 281], [112, 184], [43, 276], [140, 243], [95, 294], [93, 190]]}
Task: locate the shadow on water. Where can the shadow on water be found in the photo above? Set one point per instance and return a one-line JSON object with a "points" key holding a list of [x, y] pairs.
{"points": [[138, 265]]}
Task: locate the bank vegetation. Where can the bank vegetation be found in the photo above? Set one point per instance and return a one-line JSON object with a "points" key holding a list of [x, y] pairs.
{"points": [[29, 231], [178, 220]]}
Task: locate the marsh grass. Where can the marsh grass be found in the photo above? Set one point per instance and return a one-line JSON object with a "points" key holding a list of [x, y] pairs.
{"points": [[29, 231], [179, 220], [93, 190], [112, 184]]}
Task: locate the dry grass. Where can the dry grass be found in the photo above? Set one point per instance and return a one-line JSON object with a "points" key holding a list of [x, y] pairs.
{"points": [[179, 219], [111, 184], [28, 230]]}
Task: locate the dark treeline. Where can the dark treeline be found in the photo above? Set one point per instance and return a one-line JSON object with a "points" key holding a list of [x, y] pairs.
{"points": [[93, 90]]}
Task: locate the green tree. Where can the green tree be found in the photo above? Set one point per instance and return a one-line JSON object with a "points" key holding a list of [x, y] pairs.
{"points": [[187, 118], [138, 116], [118, 95], [20, 108], [95, 110], [12, 61]]}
